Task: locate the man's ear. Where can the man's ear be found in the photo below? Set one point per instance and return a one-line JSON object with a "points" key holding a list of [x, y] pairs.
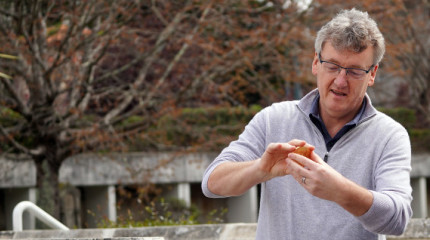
{"points": [[315, 64], [372, 76]]}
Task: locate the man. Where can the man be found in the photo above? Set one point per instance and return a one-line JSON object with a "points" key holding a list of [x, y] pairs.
{"points": [[356, 183]]}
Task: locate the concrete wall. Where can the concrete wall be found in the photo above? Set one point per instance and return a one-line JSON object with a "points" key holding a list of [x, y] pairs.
{"points": [[111, 169]]}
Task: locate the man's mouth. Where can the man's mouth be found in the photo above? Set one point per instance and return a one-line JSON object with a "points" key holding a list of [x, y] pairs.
{"points": [[337, 93]]}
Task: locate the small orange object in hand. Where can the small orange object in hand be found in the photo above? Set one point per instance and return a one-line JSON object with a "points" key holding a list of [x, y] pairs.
{"points": [[304, 151]]}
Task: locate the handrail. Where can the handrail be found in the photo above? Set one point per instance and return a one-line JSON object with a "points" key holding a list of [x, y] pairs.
{"points": [[38, 213]]}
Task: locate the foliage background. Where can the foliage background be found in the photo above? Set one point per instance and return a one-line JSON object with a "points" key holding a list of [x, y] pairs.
{"points": [[146, 75]]}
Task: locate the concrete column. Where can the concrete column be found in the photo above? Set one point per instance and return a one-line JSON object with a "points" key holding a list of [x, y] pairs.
{"points": [[98, 204], [31, 223], [243, 208], [419, 194], [112, 203], [184, 193], [12, 198], [180, 191]]}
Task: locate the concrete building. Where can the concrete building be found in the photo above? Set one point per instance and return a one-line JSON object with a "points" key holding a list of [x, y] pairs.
{"points": [[96, 178]]}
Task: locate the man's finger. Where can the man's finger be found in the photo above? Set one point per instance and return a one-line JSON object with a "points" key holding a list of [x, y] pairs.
{"points": [[297, 170], [301, 160], [314, 157], [297, 143]]}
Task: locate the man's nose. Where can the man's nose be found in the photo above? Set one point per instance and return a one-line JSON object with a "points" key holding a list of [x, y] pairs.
{"points": [[341, 79]]}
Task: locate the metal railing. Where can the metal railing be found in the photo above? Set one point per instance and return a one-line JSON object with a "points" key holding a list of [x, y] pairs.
{"points": [[19, 209]]}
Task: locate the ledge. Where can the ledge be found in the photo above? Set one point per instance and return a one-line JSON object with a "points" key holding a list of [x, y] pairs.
{"points": [[417, 229]]}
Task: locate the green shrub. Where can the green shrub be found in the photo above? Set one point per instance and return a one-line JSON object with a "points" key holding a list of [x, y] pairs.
{"points": [[163, 212], [208, 128], [420, 140]]}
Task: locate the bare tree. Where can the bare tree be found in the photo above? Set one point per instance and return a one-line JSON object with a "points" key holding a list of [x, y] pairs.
{"points": [[91, 75], [253, 51], [83, 68]]}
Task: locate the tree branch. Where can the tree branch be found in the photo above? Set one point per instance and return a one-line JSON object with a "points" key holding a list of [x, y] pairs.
{"points": [[179, 55], [22, 107], [15, 144]]}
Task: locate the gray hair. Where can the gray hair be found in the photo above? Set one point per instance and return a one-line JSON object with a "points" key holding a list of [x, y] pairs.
{"points": [[352, 30]]}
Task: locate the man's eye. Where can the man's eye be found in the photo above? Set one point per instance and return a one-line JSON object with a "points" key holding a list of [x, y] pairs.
{"points": [[355, 73], [330, 66]]}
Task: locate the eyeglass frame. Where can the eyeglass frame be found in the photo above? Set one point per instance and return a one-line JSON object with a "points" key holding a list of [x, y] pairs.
{"points": [[346, 69]]}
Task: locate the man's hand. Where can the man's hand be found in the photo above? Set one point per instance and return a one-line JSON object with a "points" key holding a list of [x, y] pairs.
{"points": [[235, 178], [322, 181], [273, 162]]}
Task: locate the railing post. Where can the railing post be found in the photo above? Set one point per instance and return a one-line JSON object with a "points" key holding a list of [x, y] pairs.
{"points": [[38, 213]]}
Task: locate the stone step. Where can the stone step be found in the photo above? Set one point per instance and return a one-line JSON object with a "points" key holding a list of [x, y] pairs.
{"points": [[417, 229]]}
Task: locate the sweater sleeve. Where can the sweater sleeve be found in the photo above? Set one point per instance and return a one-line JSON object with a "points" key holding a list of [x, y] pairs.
{"points": [[391, 208], [249, 146]]}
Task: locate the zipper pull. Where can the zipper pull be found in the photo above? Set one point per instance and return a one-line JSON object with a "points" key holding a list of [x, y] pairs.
{"points": [[326, 157]]}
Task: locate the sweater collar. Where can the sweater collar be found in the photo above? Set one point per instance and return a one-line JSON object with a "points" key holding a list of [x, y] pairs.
{"points": [[305, 104]]}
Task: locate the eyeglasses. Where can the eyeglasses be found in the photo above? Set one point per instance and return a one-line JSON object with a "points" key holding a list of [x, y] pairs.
{"points": [[333, 68]]}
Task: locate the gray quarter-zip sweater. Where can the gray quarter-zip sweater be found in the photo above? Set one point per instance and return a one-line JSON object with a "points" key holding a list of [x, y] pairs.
{"points": [[375, 154]]}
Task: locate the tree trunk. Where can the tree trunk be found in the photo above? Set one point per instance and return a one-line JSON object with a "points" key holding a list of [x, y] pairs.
{"points": [[48, 187], [55, 186]]}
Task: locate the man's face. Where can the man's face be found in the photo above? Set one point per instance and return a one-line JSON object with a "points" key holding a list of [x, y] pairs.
{"points": [[341, 95]]}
